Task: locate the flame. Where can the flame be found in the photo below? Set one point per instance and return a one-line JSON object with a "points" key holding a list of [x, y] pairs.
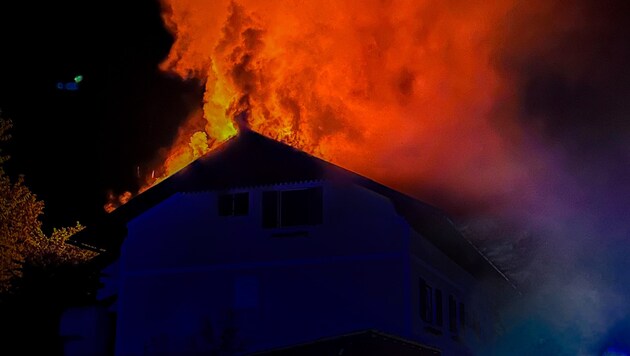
{"points": [[114, 201], [402, 91]]}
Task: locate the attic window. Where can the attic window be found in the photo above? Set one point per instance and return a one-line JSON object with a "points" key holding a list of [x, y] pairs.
{"points": [[236, 204], [287, 208]]}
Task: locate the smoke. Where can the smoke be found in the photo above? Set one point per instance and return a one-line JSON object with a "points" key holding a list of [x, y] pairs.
{"points": [[399, 91], [511, 115], [566, 63]]}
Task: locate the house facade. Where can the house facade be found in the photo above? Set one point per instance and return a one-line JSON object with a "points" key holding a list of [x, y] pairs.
{"points": [[259, 246]]}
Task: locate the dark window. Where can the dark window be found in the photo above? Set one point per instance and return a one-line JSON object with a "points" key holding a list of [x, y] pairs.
{"points": [[462, 315], [241, 203], [225, 204], [438, 308], [233, 204], [292, 207], [270, 209], [426, 302], [452, 313]]}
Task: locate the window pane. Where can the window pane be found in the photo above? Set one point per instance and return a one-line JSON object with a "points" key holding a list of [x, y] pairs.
{"points": [[270, 209], [241, 204], [225, 204], [294, 207], [426, 305], [315, 205], [462, 315], [452, 313], [438, 308]]}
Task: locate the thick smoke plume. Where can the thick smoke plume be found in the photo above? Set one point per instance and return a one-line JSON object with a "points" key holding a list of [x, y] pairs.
{"points": [[403, 92], [511, 115]]}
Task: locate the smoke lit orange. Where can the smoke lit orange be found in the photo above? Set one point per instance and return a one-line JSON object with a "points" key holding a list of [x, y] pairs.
{"points": [[400, 91]]}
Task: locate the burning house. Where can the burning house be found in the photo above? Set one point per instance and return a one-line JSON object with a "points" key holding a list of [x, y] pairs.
{"points": [[258, 246]]}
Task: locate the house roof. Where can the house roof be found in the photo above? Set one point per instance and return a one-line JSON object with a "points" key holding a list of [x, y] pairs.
{"points": [[364, 343], [251, 159]]}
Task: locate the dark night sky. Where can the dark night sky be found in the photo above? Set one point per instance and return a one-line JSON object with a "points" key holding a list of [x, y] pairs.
{"points": [[73, 146]]}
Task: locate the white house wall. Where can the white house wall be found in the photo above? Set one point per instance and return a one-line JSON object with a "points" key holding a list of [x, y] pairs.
{"points": [[440, 272], [188, 275]]}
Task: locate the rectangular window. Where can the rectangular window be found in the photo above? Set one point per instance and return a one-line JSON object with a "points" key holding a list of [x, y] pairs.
{"points": [[426, 301], [439, 317], [462, 315], [236, 204], [452, 314], [297, 207], [270, 209]]}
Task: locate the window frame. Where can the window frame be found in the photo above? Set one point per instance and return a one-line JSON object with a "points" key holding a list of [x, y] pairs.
{"points": [[232, 201], [425, 301], [452, 314], [274, 201], [439, 307]]}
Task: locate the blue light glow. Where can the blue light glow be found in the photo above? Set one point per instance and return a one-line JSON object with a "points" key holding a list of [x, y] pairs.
{"points": [[71, 86], [613, 351]]}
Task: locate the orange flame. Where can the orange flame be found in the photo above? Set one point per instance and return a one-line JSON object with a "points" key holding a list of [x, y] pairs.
{"points": [[114, 201], [402, 91]]}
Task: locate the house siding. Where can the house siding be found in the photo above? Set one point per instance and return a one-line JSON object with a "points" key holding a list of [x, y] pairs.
{"points": [[182, 265], [441, 273]]}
